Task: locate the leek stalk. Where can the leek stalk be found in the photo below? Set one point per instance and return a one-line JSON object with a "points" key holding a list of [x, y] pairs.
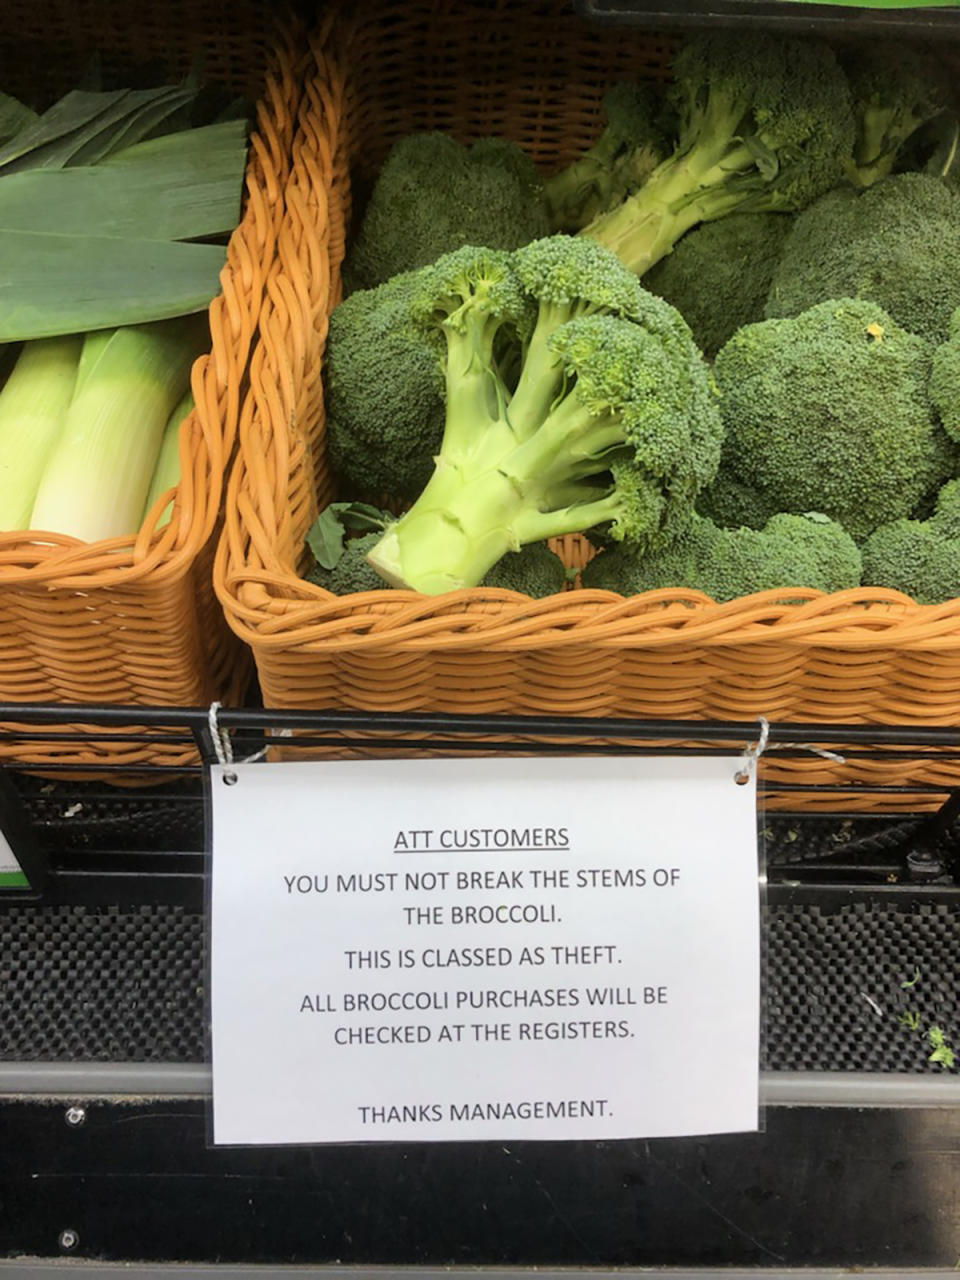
{"points": [[96, 481], [33, 409], [166, 475]]}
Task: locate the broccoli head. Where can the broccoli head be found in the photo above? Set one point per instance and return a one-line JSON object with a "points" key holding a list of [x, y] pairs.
{"points": [[384, 392], [765, 125], [919, 557], [434, 195], [945, 380], [789, 551], [897, 89], [896, 244], [352, 572], [829, 411], [619, 162], [626, 434], [719, 275]]}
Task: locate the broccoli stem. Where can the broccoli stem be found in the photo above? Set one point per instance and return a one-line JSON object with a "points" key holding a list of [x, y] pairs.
{"points": [[472, 513], [680, 193]]}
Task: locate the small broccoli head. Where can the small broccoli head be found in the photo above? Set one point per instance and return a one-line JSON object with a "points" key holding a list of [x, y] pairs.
{"points": [[623, 157], [790, 551], [829, 411], [732, 503], [897, 244], [434, 195], [352, 572], [919, 557], [945, 380], [534, 571], [896, 90], [470, 287], [576, 277], [384, 392], [719, 275]]}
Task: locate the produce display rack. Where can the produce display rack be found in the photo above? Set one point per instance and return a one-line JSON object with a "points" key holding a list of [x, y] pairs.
{"points": [[104, 1077], [797, 16]]}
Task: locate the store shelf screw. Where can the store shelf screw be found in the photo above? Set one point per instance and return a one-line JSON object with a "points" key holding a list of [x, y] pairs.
{"points": [[75, 1116], [69, 1239]]}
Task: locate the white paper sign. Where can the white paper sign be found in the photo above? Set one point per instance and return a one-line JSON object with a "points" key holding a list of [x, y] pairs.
{"points": [[502, 948], [11, 873]]}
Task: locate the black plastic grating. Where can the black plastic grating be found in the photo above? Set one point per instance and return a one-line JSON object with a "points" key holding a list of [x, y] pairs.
{"points": [[105, 984], [127, 985]]}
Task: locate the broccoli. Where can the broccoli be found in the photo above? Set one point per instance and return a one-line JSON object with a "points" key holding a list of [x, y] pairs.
{"points": [[945, 380], [896, 244], [733, 503], [919, 557], [352, 572], [624, 156], [829, 411], [790, 551], [765, 125], [896, 90], [434, 195], [384, 392], [534, 571], [719, 275], [612, 421]]}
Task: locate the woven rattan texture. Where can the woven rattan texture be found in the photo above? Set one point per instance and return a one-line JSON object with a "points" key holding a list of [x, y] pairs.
{"points": [[136, 620], [126, 985], [534, 73]]}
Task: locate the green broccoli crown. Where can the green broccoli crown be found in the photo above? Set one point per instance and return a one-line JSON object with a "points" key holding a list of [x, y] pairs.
{"points": [[897, 244], [469, 283], [352, 572], [577, 276], [945, 380], [829, 410], [719, 275], [433, 196], [384, 391], [779, 108], [896, 89], [790, 551], [919, 557], [534, 571]]}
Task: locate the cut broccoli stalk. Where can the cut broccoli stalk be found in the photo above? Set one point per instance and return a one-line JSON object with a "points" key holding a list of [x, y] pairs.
{"points": [[613, 420], [765, 125]]}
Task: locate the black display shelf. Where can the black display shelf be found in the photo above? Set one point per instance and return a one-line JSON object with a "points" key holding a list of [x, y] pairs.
{"points": [[927, 23]]}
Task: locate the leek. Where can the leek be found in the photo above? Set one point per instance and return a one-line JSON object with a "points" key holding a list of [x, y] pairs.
{"points": [[96, 481], [33, 409], [166, 474]]}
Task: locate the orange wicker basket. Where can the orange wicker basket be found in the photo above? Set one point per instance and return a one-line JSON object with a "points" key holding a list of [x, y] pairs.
{"points": [[534, 73], [135, 620]]}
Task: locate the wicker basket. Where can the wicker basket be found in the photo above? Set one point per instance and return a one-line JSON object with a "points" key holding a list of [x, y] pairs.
{"points": [[135, 620], [534, 73]]}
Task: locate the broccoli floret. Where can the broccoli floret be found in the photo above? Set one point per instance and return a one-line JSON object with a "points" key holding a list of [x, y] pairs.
{"points": [[733, 503], [434, 195], [945, 380], [790, 551], [897, 244], [384, 392], [352, 572], [626, 153], [896, 90], [627, 435], [719, 275], [919, 557], [765, 125], [829, 411], [534, 571]]}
